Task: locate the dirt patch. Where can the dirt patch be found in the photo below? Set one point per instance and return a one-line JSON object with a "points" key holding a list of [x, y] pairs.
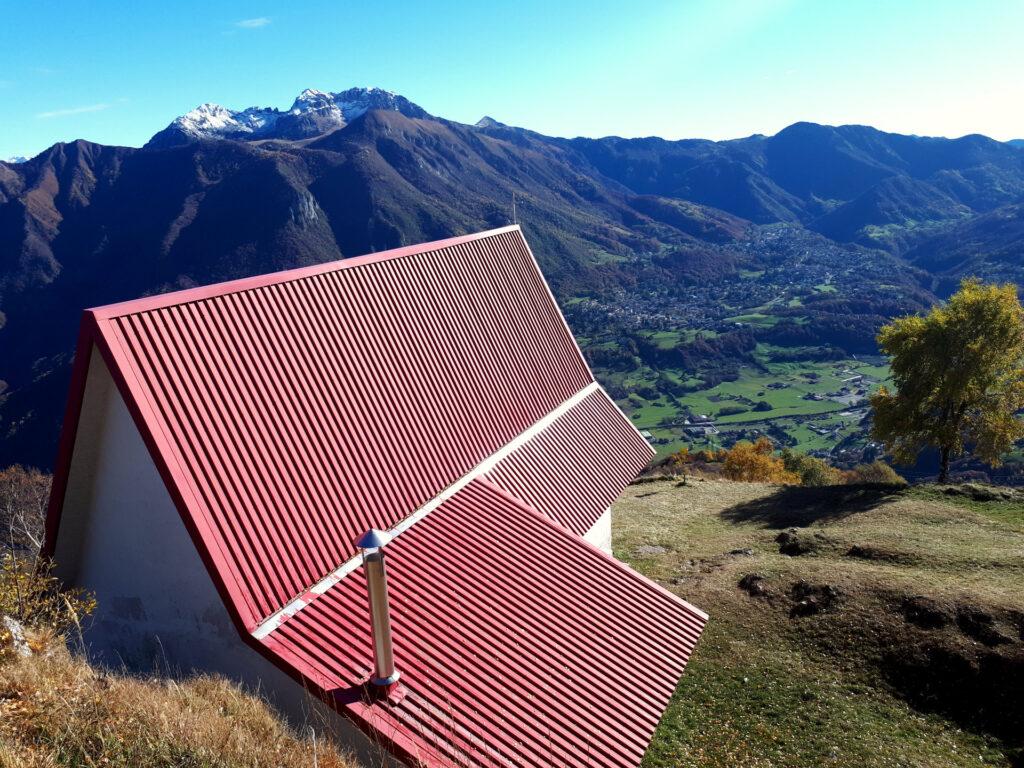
{"points": [[795, 542], [1016, 618], [880, 554], [976, 686], [968, 665], [754, 584], [924, 612], [649, 550], [809, 599], [693, 571], [981, 625], [701, 565]]}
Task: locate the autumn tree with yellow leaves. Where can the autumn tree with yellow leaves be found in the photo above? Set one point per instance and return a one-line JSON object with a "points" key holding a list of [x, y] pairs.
{"points": [[756, 463], [958, 375]]}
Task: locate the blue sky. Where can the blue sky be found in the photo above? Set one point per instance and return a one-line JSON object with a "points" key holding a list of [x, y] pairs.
{"points": [[116, 72]]}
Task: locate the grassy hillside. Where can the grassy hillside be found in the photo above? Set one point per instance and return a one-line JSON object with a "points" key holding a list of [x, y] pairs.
{"points": [[850, 626], [893, 639]]}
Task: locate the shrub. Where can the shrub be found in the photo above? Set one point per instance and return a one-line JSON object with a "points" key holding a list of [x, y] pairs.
{"points": [[32, 595], [648, 392], [875, 473], [755, 462], [811, 470], [676, 463]]}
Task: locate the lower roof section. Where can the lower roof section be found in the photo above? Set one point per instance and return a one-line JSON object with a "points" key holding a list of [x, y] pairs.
{"points": [[574, 469], [519, 644]]}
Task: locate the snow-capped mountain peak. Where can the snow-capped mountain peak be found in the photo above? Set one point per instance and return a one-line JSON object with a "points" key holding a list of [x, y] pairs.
{"points": [[16, 159], [214, 121], [310, 99], [312, 113], [207, 117]]}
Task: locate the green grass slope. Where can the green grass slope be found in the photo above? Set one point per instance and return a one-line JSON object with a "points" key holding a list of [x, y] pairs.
{"points": [[893, 640]]}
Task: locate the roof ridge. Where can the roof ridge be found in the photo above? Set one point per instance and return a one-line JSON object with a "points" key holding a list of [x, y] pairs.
{"points": [[244, 284]]}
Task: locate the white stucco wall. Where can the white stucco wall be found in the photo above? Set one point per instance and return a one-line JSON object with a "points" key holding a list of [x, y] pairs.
{"points": [[158, 610], [600, 534]]}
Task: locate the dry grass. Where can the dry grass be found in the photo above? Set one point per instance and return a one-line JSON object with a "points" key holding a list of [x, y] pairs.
{"points": [[56, 710], [856, 684]]}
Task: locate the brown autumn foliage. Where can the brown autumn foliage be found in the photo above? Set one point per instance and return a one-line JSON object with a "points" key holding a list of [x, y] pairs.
{"points": [[33, 596], [29, 592], [676, 463], [875, 473], [756, 463]]}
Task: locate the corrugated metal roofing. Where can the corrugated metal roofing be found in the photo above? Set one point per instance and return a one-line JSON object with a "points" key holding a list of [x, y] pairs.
{"points": [[420, 390], [519, 644], [303, 412], [575, 469]]}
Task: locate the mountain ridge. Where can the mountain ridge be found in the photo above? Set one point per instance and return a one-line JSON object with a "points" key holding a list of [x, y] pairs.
{"points": [[636, 236]]}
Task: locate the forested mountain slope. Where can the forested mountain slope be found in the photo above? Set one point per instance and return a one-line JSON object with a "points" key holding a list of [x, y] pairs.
{"points": [[797, 245]]}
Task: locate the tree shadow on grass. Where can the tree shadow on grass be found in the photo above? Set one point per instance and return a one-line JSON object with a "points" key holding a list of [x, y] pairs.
{"points": [[798, 506]]}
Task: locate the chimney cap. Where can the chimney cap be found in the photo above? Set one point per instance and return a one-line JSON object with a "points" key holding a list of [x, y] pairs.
{"points": [[373, 539]]}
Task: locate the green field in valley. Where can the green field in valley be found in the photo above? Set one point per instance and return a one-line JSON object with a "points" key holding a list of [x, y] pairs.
{"points": [[809, 405]]}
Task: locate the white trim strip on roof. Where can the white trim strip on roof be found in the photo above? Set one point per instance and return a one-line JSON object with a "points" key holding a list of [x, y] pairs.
{"points": [[278, 618]]}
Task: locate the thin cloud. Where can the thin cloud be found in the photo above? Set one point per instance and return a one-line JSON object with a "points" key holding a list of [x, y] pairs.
{"points": [[72, 111], [256, 23]]}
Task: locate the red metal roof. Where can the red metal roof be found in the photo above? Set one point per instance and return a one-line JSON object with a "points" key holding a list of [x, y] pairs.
{"points": [[575, 469], [301, 413], [519, 644], [419, 390]]}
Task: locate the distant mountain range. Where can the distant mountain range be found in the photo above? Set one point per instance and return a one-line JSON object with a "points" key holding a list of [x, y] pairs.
{"points": [[628, 223], [313, 113]]}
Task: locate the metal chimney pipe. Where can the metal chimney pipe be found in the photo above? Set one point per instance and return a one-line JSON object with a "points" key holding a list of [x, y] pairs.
{"points": [[372, 544]]}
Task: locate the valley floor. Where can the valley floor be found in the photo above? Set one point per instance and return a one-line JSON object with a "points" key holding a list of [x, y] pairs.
{"points": [[891, 636]]}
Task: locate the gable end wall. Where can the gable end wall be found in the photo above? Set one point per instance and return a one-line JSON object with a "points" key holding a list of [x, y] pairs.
{"points": [[158, 611]]}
